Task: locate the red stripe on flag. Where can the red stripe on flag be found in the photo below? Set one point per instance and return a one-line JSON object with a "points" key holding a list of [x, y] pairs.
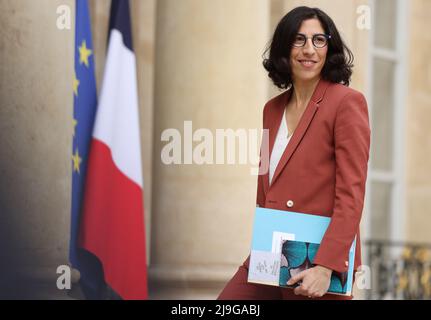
{"points": [[112, 224]]}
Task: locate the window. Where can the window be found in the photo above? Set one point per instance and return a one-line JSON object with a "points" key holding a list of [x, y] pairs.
{"points": [[384, 208]]}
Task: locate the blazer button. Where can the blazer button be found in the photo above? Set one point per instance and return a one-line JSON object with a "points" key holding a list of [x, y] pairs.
{"points": [[346, 263], [289, 203]]}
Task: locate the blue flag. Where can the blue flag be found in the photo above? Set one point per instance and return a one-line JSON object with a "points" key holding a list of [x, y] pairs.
{"points": [[84, 110]]}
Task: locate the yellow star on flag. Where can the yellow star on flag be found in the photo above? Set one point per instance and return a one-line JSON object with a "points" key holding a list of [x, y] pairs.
{"points": [[75, 84], [75, 122], [76, 161], [84, 53]]}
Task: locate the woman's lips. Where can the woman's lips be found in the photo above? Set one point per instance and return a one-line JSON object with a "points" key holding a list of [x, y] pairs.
{"points": [[307, 63]]}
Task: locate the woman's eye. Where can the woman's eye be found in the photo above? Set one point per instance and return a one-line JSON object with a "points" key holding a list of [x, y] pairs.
{"points": [[320, 39], [299, 40]]}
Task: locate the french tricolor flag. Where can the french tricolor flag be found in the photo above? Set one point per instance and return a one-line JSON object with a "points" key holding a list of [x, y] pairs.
{"points": [[112, 221]]}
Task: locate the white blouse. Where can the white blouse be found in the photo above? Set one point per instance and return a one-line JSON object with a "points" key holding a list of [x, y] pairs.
{"points": [[280, 145]]}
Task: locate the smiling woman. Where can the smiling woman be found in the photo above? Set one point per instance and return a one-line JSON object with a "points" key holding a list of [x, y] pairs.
{"points": [[334, 61], [327, 132]]}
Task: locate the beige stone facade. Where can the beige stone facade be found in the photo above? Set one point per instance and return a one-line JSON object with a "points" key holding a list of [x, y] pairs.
{"points": [[418, 133], [199, 61]]}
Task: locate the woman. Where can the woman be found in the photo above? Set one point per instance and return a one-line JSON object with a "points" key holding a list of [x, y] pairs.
{"points": [[319, 139]]}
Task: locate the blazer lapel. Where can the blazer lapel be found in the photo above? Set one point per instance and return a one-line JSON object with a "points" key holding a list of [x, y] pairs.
{"points": [[273, 126], [299, 132]]}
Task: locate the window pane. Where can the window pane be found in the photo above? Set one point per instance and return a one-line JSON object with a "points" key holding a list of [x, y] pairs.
{"points": [[380, 210], [385, 19], [382, 115]]}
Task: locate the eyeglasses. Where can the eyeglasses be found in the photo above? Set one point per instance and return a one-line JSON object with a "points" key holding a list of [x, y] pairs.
{"points": [[319, 40]]}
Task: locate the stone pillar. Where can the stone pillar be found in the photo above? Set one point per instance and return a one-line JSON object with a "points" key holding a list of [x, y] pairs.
{"points": [[209, 71], [36, 103], [418, 144]]}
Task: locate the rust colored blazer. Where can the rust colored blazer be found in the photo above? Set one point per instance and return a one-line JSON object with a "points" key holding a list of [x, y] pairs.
{"points": [[323, 169]]}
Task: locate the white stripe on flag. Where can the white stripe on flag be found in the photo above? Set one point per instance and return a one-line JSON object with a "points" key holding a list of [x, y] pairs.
{"points": [[117, 119]]}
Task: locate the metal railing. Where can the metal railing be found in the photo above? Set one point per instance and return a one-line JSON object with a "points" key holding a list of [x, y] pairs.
{"points": [[399, 270]]}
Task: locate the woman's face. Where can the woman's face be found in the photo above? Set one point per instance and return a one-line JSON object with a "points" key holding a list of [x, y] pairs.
{"points": [[307, 62]]}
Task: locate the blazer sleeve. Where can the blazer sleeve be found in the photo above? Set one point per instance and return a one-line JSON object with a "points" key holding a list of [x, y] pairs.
{"points": [[352, 144]]}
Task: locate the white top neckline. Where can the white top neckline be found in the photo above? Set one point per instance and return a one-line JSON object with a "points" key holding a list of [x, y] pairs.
{"points": [[280, 145]]}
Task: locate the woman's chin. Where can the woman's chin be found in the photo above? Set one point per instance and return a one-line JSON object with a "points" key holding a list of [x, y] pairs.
{"points": [[307, 77]]}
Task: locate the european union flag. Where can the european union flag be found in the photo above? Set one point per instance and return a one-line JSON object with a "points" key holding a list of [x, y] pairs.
{"points": [[84, 110]]}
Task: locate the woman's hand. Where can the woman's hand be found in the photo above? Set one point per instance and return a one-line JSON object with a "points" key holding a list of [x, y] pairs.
{"points": [[315, 282]]}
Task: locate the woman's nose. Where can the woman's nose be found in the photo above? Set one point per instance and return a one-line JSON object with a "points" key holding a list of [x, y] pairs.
{"points": [[308, 47]]}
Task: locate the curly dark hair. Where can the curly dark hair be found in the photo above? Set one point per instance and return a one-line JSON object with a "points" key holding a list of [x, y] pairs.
{"points": [[339, 60]]}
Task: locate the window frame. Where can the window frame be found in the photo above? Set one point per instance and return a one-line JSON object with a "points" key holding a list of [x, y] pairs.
{"points": [[395, 176]]}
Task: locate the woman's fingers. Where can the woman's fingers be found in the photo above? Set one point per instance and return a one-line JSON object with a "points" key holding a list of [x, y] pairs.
{"points": [[300, 276]]}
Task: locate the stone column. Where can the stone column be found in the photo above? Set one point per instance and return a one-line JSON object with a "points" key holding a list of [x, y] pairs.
{"points": [[208, 71], [418, 153]]}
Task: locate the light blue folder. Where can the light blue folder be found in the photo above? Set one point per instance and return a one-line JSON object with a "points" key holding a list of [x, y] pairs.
{"points": [[271, 228]]}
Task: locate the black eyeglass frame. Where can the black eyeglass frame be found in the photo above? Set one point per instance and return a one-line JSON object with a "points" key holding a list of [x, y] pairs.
{"points": [[327, 37]]}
